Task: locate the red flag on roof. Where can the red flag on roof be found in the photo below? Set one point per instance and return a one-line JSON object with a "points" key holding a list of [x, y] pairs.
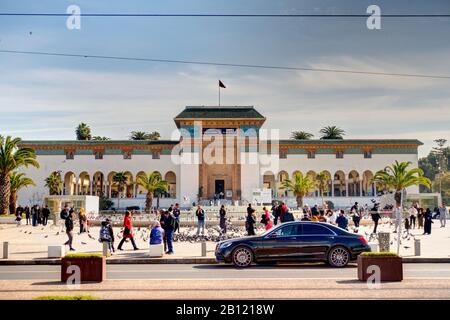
{"points": [[221, 85]]}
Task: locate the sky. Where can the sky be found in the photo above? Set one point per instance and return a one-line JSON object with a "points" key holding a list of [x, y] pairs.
{"points": [[45, 97]]}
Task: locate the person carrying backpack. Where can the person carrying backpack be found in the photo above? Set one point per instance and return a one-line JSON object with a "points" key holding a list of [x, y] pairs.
{"points": [[107, 235]]}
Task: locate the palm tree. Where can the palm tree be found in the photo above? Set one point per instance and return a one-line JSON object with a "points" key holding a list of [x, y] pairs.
{"points": [[301, 135], [17, 181], [322, 179], [300, 185], [83, 132], [152, 182], [138, 135], [153, 135], [397, 177], [54, 183], [99, 138], [121, 179], [12, 157], [332, 132], [141, 135]]}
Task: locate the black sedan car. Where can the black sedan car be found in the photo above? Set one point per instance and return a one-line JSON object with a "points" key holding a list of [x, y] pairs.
{"points": [[294, 241]]}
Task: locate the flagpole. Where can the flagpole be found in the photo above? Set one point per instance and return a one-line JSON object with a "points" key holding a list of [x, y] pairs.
{"points": [[219, 95]]}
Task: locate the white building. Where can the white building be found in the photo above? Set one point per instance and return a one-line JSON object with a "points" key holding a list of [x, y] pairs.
{"points": [[222, 151]]}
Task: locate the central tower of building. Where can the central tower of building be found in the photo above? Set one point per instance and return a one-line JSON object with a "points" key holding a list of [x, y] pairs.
{"points": [[219, 141]]}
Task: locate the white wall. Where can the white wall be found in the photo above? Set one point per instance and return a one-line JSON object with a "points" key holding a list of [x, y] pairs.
{"points": [[88, 163]]}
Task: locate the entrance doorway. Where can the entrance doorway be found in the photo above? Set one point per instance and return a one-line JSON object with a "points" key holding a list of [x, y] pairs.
{"points": [[220, 188]]}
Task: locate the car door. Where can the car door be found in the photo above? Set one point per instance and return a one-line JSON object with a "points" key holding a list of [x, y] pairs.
{"points": [[281, 244], [315, 240]]}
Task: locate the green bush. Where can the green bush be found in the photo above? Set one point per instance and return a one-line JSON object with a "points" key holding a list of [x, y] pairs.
{"points": [[84, 255], [379, 254], [78, 297]]}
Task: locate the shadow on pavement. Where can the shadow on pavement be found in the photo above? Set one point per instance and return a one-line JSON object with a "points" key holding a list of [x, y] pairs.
{"points": [[318, 265]]}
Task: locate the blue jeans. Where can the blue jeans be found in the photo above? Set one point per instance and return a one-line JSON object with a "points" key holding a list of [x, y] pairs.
{"points": [[201, 224], [169, 237]]}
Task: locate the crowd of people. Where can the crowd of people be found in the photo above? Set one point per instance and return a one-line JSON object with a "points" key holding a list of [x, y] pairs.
{"points": [[168, 221]]}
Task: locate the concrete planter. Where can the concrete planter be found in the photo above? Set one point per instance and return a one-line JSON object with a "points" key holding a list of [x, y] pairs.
{"points": [[91, 268], [391, 267]]}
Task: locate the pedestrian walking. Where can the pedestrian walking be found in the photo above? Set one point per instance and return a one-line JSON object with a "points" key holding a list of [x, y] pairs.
{"points": [[34, 216], [275, 212], [250, 221], [167, 223], [27, 214], [342, 221], [375, 217], [265, 219], [443, 212], [397, 217], [176, 214], [223, 219], [65, 212], [107, 235], [127, 232], [200, 213], [356, 218], [420, 217], [428, 221], [69, 231], [83, 220], [45, 215], [412, 216]]}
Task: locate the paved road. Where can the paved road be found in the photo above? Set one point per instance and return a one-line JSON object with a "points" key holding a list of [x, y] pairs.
{"points": [[220, 272]]}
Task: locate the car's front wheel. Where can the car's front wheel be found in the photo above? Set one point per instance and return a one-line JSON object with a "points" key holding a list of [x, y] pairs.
{"points": [[338, 257], [242, 257]]}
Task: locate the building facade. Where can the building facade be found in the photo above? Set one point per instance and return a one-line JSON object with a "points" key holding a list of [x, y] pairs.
{"points": [[222, 152]]}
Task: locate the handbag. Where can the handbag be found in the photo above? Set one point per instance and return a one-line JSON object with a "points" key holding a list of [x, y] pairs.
{"points": [[126, 232]]}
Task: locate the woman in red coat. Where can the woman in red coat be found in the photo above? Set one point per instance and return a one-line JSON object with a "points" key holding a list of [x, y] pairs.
{"points": [[127, 231]]}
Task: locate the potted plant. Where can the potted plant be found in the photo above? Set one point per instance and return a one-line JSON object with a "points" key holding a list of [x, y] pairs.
{"points": [[389, 264], [92, 266]]}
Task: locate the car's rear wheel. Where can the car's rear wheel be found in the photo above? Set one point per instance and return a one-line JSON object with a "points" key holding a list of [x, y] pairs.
{"points": [[338, 257], [242, 257]]}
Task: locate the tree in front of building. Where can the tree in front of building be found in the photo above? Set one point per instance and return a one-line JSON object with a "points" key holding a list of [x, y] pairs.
{"points": [[17, 181], [322, 179], [442, 184], [300, 185], [398, 177], [301, 135], [83, 132], [12, 157], [121, 180], [152, 183], [54, 183], [332, 133]]}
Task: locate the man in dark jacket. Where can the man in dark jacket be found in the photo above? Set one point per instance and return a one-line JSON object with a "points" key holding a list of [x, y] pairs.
{"points": [[176, 214], [375, 217], [275, 212], [168, 224], [200, 213], [342, 221], [45, 215], [69, 231]]}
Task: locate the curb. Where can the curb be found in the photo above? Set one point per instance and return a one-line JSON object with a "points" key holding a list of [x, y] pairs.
{"points": [[180, 261], [115, 261]]}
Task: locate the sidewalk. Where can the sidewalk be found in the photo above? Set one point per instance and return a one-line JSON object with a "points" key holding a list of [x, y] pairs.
{"points": [[28, 245]]}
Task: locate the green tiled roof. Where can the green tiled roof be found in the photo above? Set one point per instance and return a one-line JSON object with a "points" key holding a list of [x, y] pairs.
{"points": [[99, 142], [350, 141], [222, 112]]}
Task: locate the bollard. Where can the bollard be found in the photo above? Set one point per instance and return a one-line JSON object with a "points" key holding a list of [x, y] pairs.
{"points": [[105, 248], [384, 241], [417, 247], [5, 250], [203, 249]]}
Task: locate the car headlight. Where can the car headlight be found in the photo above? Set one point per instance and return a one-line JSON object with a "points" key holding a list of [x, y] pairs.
{"points": [[225, 245]]}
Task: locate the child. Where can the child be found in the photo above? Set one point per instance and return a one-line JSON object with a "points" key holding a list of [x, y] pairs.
{"points": [[107, 235], [407, 226]]}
